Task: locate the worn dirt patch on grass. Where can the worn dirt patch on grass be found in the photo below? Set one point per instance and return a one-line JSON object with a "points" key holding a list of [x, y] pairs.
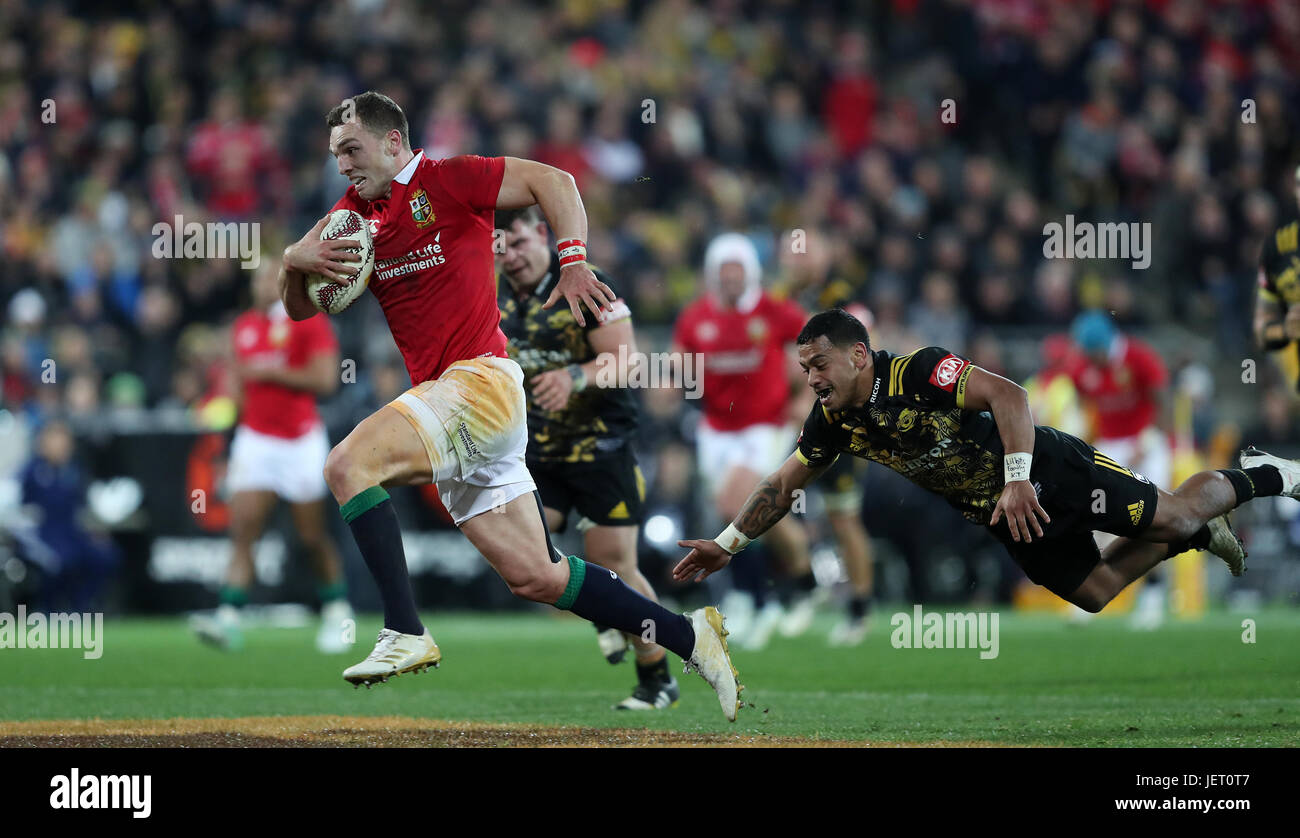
{"points": [[385, 731]]}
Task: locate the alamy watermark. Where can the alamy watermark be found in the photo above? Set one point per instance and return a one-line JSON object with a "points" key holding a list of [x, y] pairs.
{"points": [[53, 631], [75, 790], [212, 240], [1110, 240], [946, 630], [652, 371]]}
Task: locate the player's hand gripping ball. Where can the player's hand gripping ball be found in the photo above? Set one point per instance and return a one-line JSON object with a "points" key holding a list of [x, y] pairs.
{"points": [[333, 297]]}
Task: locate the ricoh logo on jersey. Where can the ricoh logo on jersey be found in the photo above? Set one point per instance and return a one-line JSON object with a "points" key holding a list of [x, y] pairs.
{"points": [[423, 258]]}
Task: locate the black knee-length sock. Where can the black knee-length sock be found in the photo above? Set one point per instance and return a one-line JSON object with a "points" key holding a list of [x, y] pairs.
{"points": [[597, 594], [374, 525]]}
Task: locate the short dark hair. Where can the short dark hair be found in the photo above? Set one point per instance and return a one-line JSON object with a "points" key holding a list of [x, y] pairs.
{"points": [[376, 112], [530, 215], [838, 326]]}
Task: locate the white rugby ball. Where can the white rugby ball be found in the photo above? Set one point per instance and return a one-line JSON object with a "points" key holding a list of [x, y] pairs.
{"points": [[326, 294]]}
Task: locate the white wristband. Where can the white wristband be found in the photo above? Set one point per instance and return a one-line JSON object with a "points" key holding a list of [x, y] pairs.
{"points": [[1016, 466], [732, 540]]}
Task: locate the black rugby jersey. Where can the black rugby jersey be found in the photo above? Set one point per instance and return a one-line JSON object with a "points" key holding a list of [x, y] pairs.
{"points": [[915, 423], [1279, 266], [596, 422]]}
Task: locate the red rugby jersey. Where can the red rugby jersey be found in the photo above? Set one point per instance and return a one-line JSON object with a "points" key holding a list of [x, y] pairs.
{"points": [[270, 338], [434, 275], [1122, 393], [746, 380]]}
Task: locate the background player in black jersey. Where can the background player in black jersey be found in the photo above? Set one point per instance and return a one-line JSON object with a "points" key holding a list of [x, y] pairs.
{"points": [[579, 434], [967, 435], [1277, 304]]}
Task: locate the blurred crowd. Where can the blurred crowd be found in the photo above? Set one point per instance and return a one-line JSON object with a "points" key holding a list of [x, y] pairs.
{"points": [[922, 144]]}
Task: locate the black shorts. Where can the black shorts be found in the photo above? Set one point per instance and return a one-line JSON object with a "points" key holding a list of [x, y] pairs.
{"points": [[609, 491], [1082, 490]]}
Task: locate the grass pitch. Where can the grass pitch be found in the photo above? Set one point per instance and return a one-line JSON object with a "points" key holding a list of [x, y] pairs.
{"points": [[538, 679]]}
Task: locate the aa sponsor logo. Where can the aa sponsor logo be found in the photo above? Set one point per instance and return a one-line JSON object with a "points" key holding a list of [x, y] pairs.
{"points": [[946, 630], [652, 371], [212, 240], [1085, 240], [53, 631], [75, 790]]}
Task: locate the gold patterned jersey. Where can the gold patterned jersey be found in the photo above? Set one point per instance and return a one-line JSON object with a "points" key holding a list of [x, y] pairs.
{"points": [[596, 422], [1279, 266], [1279, 270], [916, 423]]}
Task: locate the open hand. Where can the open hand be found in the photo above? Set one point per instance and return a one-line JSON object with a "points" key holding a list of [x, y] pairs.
{"points": [[705, 558], [578, 284], [1019, 505]]}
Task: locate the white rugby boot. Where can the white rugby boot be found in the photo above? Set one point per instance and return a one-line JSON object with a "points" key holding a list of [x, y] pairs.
{"points": [[850, 632], [220, 628], [1289, 469], [613, 644], [394, 654], [711, 659], [1227, 545]]}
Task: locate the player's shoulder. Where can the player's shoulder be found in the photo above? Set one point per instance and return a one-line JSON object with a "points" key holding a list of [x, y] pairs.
{"points": [[934, 365]]}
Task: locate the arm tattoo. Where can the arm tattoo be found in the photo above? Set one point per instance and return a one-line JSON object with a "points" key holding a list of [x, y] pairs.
{"points": [[764, 508]]}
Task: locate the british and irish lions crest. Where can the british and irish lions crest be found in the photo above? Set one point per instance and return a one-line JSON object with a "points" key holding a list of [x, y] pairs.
{"points": [[421, 211]]}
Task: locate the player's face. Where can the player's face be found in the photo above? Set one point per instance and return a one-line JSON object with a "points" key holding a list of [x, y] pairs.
{"points": [[370, 162], [731, 282], [833, 372], [525, 253]]}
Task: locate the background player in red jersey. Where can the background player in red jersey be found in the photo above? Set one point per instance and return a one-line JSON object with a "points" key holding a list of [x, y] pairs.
{"points": [[463, 423], [747, 338], [279, 451], [1121, 382]]}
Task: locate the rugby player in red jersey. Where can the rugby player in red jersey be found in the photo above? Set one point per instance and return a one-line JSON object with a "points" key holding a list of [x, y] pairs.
{"points": [[278, 452], [463, 424], [1121, 382], [746, 337]]}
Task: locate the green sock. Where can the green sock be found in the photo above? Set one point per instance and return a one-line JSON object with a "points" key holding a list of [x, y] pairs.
{"points": [[332, 591], [231, 595]]}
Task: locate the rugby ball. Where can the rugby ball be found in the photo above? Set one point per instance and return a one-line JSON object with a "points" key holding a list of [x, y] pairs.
{"points": [[327, 295]]}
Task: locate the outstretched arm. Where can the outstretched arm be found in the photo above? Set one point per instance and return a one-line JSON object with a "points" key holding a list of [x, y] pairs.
{"points": [[527, 182], [1009, 404], [769, 503]]}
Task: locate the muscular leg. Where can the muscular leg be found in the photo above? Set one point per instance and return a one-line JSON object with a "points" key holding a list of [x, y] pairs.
{"points": [[1123, 561], [248, 515], [1179, 516], [384, 450], [512, 539], [855, 549], [1204, 495]]}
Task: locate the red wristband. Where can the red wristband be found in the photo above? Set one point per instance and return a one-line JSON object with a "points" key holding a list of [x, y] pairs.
{"points": [[572, 250]]}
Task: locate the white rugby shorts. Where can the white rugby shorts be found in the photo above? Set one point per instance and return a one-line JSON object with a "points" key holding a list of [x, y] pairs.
{"points": [[292, 468], [473, 422]]}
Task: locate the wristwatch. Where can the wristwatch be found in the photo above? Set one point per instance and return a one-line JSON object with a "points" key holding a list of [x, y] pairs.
{"points": [[579, 376]]}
